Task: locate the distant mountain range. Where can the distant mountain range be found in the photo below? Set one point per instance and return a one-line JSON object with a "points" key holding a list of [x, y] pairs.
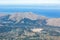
{"points": [[28, 18]]}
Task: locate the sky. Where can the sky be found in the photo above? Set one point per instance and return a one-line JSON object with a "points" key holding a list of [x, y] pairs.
{"points": [[29, 2], [46, 3]]}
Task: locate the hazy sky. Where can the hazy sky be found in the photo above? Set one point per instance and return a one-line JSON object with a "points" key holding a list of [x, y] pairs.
{"points": [[27, 2]]}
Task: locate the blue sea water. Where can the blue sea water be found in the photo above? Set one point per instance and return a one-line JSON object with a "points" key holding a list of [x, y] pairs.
{"points": [[54, 13]]}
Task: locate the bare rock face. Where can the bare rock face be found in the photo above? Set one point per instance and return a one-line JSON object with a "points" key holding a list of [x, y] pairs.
{"points": [[53, 21]]}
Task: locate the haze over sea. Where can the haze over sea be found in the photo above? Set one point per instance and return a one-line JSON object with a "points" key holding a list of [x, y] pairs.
{"points": [[40, 10]]}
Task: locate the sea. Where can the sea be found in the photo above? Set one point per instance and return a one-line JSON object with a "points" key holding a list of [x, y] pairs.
{"points": [[51, 13]]}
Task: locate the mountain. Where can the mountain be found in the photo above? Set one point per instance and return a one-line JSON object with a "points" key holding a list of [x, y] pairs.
{"points": [[28, 26], [21, 20], [17, 17]]}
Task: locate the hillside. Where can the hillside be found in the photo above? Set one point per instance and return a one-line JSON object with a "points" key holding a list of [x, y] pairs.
{"points": [[53, 21], [28, 26]]}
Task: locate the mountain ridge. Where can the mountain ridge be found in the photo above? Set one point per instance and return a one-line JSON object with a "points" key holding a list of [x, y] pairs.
{"points": [[17, 17]]}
